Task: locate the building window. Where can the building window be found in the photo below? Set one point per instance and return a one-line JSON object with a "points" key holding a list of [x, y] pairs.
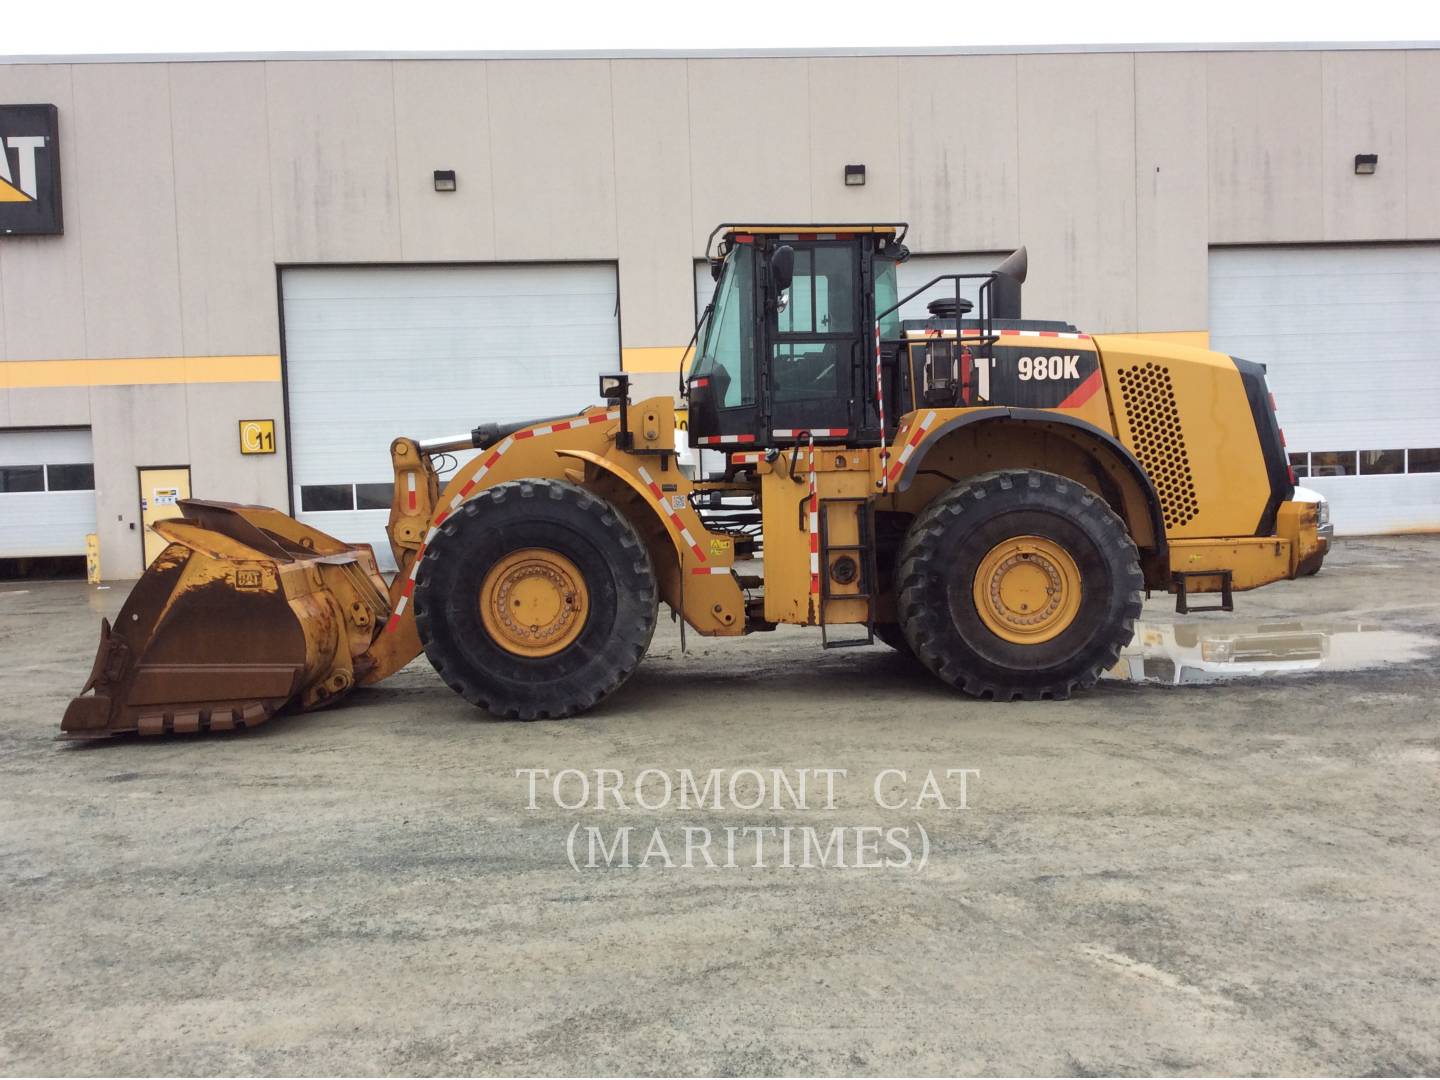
{"points": [[1333, 463], [316, 498], [22, 478], [373, 496], [1381, 462], [1301, 464], [1427, 460], [70, 477]]}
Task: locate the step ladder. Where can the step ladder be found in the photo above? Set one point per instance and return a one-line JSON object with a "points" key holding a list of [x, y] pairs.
{"points": [[866, 578], [1182, 590]]}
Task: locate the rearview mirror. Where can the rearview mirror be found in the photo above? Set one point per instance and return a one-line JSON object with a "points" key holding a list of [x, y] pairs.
{"points": [[782, 267]]}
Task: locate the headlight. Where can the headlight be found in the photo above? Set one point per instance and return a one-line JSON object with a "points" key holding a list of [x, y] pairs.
{"points": [[1322, 513]]}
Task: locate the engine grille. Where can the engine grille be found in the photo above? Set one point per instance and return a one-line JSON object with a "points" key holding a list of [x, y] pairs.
{"points": [[1159, 441]]}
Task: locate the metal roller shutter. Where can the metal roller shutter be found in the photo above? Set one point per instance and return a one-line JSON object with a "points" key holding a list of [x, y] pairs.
{"points": [[47, 492], [1348, 334], [376, 352]]}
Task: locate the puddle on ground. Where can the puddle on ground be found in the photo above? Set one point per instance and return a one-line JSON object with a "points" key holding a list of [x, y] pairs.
{"points": [[1182, 654]]}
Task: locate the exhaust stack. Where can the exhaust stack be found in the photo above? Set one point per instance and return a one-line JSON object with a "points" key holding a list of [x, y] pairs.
{"points": [[1009, 276]]}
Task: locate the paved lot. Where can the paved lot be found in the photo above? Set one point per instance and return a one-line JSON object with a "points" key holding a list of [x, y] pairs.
{"points": [[1228, 878]]}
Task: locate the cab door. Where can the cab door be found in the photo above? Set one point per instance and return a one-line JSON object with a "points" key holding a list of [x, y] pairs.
{"points": [[816, 342]]}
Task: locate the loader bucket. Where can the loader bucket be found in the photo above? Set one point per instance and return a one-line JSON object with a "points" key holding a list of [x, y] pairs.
{"points": [[245, 611]]}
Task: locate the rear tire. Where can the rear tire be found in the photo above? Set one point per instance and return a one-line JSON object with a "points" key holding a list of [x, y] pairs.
{"points": [[1061, 566], [584, 566]]}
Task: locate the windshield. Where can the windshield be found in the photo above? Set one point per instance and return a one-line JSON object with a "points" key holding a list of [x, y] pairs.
{"points": [[728, 354]]}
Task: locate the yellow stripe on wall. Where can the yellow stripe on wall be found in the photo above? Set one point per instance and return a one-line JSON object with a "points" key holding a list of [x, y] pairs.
{"points": [[665, 358], [143, 371]]}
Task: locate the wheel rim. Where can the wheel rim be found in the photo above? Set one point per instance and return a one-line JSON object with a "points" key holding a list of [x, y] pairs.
{"points": [[534, 602], [1027, 589]]}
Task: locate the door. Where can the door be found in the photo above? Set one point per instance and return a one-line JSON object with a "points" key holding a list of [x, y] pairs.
{"points": [[1347, 333], [816, 341], [161, 489], [47, 492], [372, 353]]}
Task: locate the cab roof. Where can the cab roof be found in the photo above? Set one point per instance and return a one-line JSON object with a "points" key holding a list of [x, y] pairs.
{"points": [[738, 233]]}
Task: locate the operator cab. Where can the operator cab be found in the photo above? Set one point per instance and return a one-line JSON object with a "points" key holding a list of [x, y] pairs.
{"points": [[788, 346]]}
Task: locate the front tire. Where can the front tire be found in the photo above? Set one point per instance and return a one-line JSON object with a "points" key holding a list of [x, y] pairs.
{"points": [[535, 600], [1018, 584]]}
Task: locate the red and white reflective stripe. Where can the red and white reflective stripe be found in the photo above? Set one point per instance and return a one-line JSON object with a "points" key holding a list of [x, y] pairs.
{"points": [[819, 432], [719, 440], [469, 486], [567, 425], [410, 488], [880, 407], [814, 519], [659, 497], [710, 570], [746, 457], [935, 332], [916, 437]]}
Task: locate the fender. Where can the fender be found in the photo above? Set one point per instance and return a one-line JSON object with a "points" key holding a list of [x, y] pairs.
{"points": [[1045, 416], [682, 549]]}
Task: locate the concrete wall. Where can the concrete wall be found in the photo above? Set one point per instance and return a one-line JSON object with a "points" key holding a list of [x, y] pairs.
{"points": [[187, 183]]}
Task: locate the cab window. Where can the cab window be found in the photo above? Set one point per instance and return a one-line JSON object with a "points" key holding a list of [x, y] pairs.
{"points": [[728, 356], [816, 330], [887, 291]]}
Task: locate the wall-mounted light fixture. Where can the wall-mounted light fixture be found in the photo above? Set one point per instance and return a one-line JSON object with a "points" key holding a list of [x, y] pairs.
{"points": [[1365, 164], [444, 179], [854, 175]]}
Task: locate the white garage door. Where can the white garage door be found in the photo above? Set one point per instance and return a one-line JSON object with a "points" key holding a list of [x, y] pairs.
{"points": [[914, 272], [47, 492], [372, 353], [1350, 335]]}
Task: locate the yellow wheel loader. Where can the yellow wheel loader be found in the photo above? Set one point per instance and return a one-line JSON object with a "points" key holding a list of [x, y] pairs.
{"points": [[988, 492]]}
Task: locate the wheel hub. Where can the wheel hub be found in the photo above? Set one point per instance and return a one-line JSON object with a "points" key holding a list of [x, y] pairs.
{"points": [[533, 602], [1027, 589]]}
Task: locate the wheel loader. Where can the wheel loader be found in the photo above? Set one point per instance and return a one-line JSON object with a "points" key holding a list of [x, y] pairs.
{"points": [[990, 493]]}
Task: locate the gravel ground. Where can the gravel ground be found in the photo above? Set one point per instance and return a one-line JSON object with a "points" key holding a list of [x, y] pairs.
{"points": [[1231, 878]]}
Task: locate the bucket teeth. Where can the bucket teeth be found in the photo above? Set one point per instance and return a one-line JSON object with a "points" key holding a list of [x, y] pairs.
{"points": [[243, 613], [192, 721]]}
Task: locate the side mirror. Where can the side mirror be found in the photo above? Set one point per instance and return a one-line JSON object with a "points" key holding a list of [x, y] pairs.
{"points": [[782, 267]]}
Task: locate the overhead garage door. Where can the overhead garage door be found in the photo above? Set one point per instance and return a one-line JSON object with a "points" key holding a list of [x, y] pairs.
{"points": [[1350, 335], [47, 492], [372, 353]]}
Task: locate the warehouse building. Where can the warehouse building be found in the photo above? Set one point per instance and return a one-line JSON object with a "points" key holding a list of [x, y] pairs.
{"points": [[239, 278]]}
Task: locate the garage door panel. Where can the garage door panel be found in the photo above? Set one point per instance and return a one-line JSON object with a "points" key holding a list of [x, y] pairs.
{"points": [[1350, 335], [469, 313], [45, 523], [376, 352]]}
